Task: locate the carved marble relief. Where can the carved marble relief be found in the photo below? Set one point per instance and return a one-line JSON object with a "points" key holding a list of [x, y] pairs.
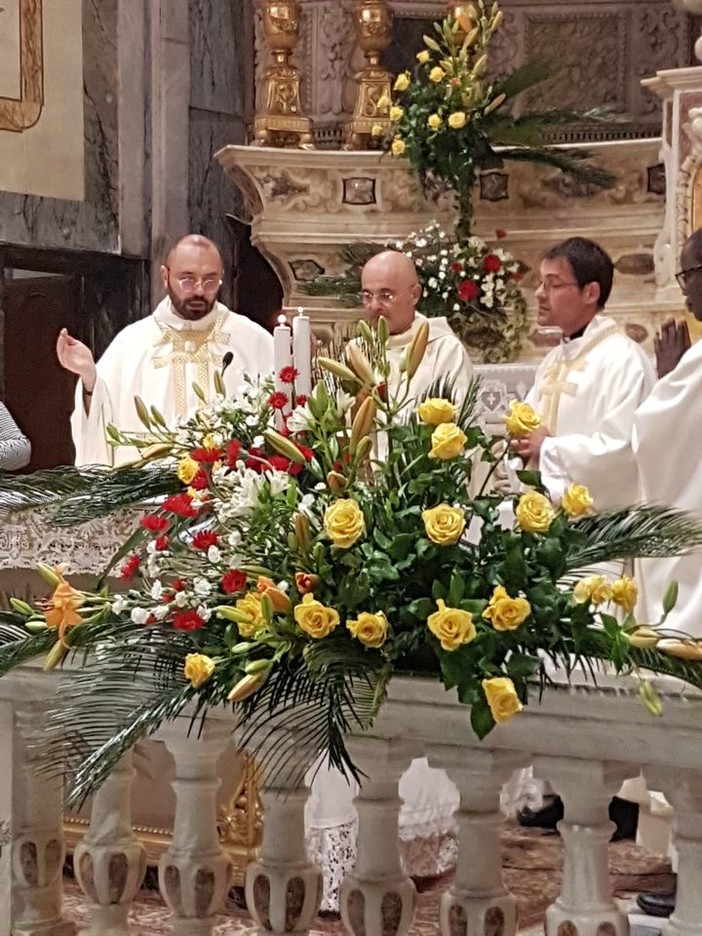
{"points": [[604, 48], [22, 56]]}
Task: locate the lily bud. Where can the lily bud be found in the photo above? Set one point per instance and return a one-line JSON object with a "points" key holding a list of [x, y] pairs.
{"points": [[319, 400], [363, 423], [383, 330], [55, 655], [497, 19], [650, 698], [302, 530], [644, 637], [219, 384], [360, 364], [246, 686], [480, 65], [364, 331], [417, 349], [284, 446], [363, 448], [21, 607], [258, 666], [337, 482], [339, 370], [142, 412], [36, 627], [232, 614], [670, 597], [199, 392], [685, 649], [494, 104]]}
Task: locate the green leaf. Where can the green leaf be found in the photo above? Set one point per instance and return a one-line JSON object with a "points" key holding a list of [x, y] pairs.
{"points": [[481, 719], [521, 666]]}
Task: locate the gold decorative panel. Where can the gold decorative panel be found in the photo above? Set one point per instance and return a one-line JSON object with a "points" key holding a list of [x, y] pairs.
{"points": [[21, 48]]}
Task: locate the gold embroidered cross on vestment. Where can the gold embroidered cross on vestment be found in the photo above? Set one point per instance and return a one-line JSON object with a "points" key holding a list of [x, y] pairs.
{"points": [[190, 347]]}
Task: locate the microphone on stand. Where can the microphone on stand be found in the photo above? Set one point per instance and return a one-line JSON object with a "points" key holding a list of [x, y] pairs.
{"points": [[219, 374]]}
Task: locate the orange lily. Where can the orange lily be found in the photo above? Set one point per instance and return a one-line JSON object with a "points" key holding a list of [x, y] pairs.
{"points": [[61, 609]]}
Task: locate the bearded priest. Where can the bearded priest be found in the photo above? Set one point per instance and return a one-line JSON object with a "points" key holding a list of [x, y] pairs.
{"points": [[187, 339]]}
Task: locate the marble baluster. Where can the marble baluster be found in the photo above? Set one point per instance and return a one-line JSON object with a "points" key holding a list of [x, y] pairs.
{"points": [[283, 887], [378, 898], [195, 872], [683, 789], [585, 905], [110, 862], [478, 900], [38, 848]]}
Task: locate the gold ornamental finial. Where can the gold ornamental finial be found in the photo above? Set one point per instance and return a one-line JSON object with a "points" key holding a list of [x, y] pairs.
{"points": [[281, 121]]}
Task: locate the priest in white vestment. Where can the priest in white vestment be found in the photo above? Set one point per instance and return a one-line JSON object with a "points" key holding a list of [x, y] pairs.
{"points": [[390, 288], [587, 389], [187, 339]]}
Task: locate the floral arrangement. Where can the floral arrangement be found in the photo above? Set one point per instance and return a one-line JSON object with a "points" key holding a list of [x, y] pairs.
{"points": [[450, 121], [292, 573]]}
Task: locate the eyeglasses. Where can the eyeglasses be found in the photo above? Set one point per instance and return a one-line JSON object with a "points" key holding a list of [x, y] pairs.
{"points": [[552, 287], [383, 296], [683, 276], [190, 283]]}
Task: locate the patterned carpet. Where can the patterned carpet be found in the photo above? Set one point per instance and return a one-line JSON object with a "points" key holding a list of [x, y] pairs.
{"points": [[531, 860]]}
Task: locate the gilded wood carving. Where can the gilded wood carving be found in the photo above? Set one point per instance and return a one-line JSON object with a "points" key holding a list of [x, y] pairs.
{"points": [[21, 39]]}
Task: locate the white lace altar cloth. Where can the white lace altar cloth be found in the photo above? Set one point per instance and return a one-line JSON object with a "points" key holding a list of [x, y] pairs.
{"points": [[27, 539]]}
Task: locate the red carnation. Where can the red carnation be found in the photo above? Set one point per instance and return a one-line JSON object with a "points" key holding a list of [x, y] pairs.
{"points": [[468, 290], [500, 234], [278, 462], [457, 266], [306, 451], [206, 455], [233, 452], [233, 581], [187, 620], [200, 481], [278, 400], [204, 539], [130, 566], [179, 584], [162, 543], [180, 504], [155, 524], [301, 399], [257, 460], [288, 374], [492, 264]]}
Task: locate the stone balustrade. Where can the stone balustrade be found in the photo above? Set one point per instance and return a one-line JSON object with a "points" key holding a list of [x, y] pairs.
{"points": [[584, 738]]}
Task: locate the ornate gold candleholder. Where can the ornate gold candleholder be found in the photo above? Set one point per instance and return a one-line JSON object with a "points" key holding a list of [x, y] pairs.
{"points": [[373, 22], [281, 122]]}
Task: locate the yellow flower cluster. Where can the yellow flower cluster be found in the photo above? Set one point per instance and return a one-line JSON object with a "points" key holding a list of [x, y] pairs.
{"points": [[187, 469], [444, 524], [502, 698], [577, 501], [435, 411], [198, 669], [251, 611], [447, 441], [596, 590], [534, 512]]}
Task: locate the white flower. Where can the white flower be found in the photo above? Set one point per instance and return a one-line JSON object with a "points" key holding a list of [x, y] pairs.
{"points": [[234, 538], [204, 612], [181, 599], [301, 419], [259, 442], [161, 612], [202, 588], [139, 615], [344, 402], [251, 421], [119, 604], [156, 590], [214, 554]]}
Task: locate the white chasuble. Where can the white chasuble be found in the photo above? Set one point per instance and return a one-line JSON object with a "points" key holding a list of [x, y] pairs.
{"points": [[158, 359], [586, 392], [667, 433]]}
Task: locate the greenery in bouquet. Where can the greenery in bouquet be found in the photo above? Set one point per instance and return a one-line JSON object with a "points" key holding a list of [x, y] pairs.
{"points": [[291, 572], [451, 122]]}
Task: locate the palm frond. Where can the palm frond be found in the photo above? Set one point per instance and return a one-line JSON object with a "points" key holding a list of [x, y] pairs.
{"points": [[643, 531], [73, 495], [527, 76], [18, 648], [572, 162]]}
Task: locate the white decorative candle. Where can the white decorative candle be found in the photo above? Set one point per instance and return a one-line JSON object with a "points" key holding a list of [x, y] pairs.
{"points": [[282, 358], [302, 353]]}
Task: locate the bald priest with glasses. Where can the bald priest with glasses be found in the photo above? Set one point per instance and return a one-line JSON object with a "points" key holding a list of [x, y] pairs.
{"points": [[187, 338]]}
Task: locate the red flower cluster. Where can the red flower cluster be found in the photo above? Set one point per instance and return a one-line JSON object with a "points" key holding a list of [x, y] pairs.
{"points": [[155, 524], [206, 455], [162, 543], [468, 290], [187, 620], [130, 567], [233, 452], [492, 264], [204, 539], [233, 581], [180, 504], [200, 481]]}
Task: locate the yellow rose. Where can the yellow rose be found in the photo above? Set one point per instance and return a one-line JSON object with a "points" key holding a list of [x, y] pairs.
{"points": [[433, 121], [505, 613], [521, 419], [435, 411], [502, 698], [423, 57], [250, 605], [187, 469], [377, 130], [534, 512], [437, 74], [370, 629], [577, 501], [397, 147], [457, 120], [594, 589], [452, 626], [314, 618], [625, 593], [447, 441], [444, 524], [344, 523], [402, 82], [198, 669], [396, 112]]}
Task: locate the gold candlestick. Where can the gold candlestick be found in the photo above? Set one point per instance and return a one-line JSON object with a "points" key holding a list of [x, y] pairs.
{"points": [[281, 122], [373, 24]]}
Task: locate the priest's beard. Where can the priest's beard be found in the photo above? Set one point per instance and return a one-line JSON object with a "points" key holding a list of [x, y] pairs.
{"points": [[193, 308]]}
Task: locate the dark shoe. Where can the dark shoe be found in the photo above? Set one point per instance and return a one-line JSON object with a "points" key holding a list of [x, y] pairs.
{"points": [[625, 815], [547, 817], [657, 905]]}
